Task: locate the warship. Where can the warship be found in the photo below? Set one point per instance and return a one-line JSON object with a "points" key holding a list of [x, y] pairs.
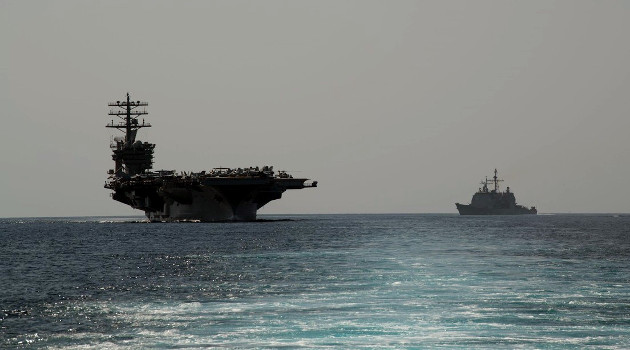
{"points": [[493, 202], [220, 194]]}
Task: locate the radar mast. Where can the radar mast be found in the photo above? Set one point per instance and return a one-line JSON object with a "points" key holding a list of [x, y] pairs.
{"points": [[496, 181], [130, 157], [128, 112]]}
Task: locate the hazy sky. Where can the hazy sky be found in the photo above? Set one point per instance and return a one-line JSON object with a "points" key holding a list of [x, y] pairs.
{"points": [[393, 106]]}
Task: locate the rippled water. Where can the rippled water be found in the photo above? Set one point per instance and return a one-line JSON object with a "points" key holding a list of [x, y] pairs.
{"points": [[317, 281]]}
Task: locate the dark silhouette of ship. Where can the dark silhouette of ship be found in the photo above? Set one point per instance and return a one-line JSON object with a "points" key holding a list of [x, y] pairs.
{"points": [[221, 194], [493, 202]]}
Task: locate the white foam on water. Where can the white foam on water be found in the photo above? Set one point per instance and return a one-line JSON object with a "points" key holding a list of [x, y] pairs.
{"points": [[436, 295]]}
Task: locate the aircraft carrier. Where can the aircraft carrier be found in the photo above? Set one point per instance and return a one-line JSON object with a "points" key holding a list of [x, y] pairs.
{"points": [[493, 202], [219, 194]]}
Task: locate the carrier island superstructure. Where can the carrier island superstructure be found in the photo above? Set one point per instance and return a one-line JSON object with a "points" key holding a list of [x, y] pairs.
{"points": [[493, 202], [220, 194]]}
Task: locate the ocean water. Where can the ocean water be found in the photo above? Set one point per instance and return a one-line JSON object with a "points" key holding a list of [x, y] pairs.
{"points": [[317, 281]]}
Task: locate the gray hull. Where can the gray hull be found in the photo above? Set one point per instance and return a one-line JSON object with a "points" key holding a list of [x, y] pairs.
{"points": [[205, 205], [470, 210], [213, 199]]}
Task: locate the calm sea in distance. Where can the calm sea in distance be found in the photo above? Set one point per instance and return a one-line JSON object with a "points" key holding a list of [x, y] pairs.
{"points": [[406, 281]]}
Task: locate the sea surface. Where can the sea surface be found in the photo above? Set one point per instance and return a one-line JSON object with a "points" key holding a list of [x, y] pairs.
{"points": [[317, 281]]}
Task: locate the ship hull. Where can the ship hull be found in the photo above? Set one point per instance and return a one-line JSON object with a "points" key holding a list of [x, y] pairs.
{"points": [[207, 205], [471, 210], [210, 200]]}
